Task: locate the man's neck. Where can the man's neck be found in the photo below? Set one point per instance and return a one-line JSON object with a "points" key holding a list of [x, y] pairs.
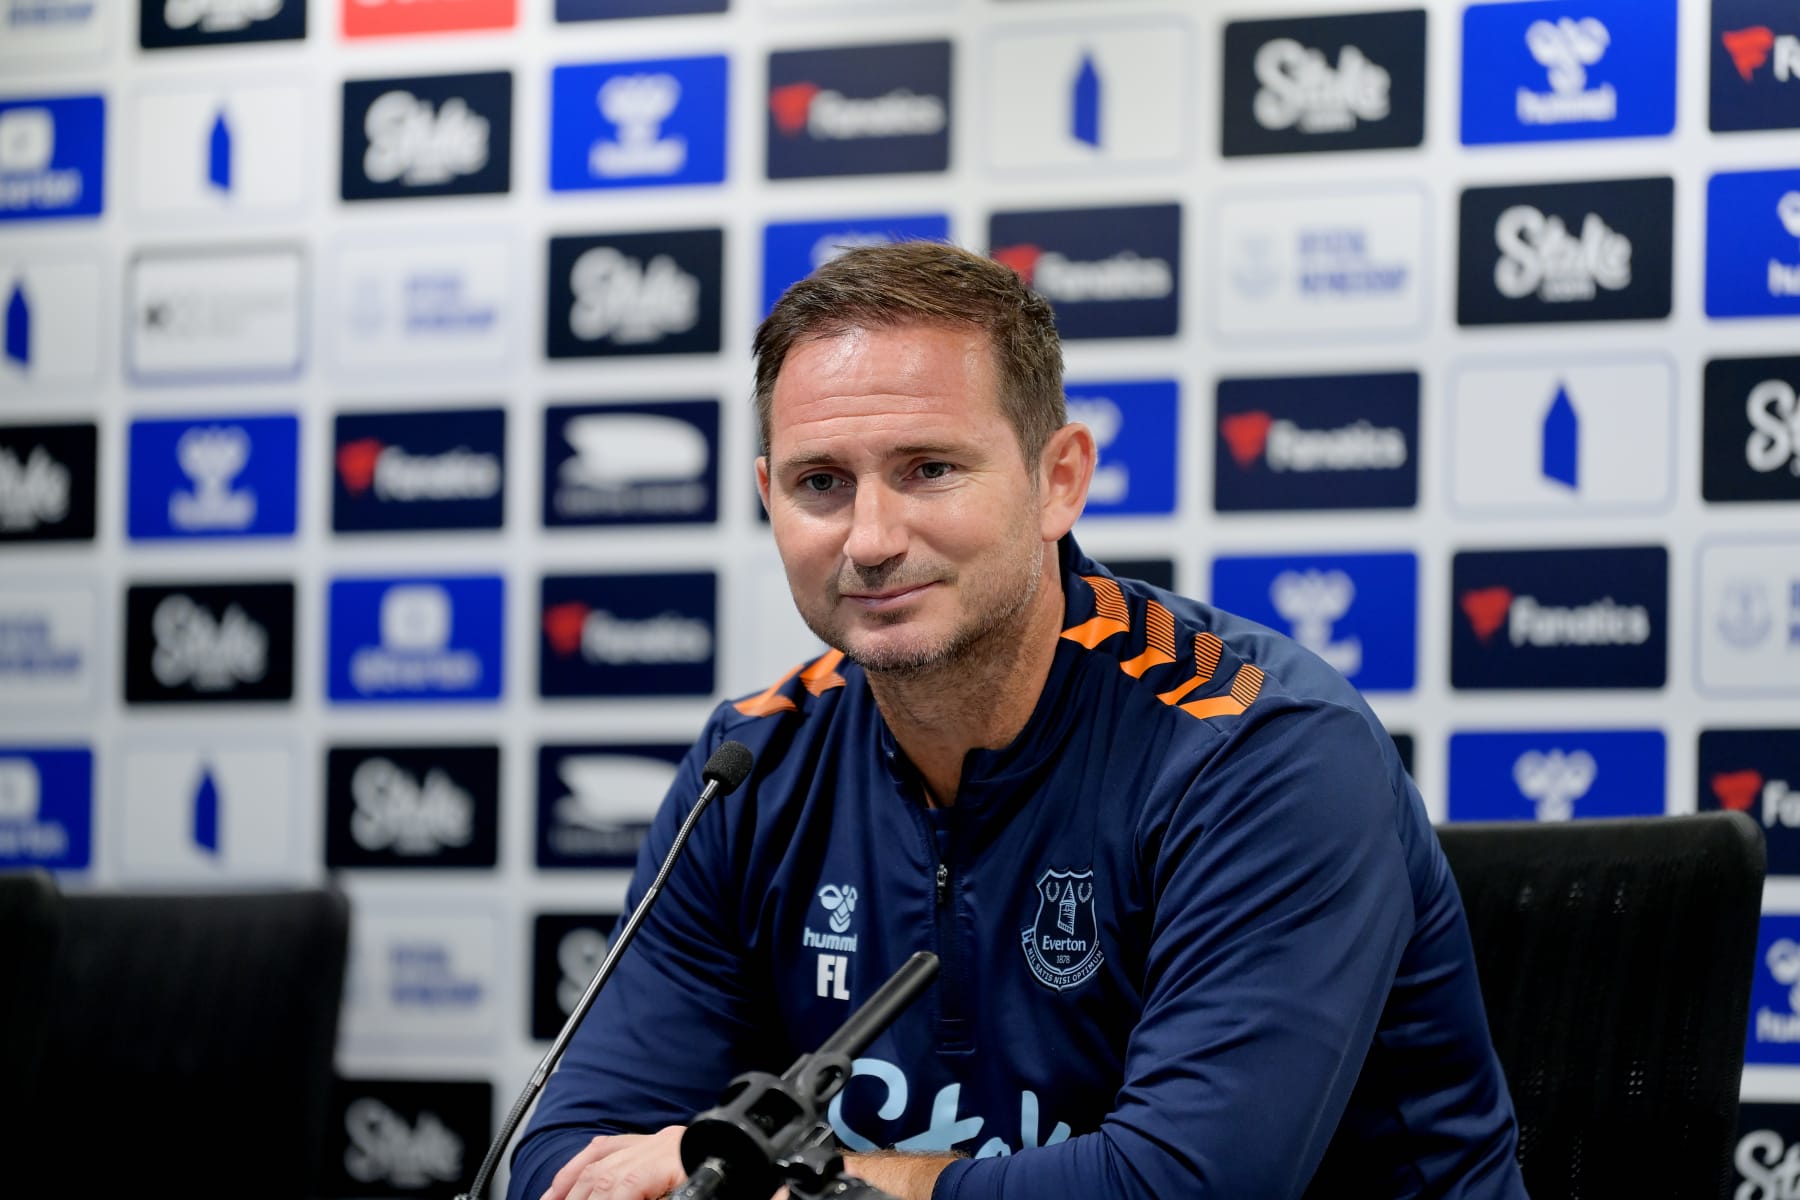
{"points": [[981, 701]]}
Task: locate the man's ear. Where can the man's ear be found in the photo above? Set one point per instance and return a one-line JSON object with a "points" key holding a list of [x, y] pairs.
{"points": [[762, 479], [1065, 469]]}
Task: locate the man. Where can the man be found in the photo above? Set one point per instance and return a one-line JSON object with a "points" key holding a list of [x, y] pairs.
{"points": [[1197, 936]]}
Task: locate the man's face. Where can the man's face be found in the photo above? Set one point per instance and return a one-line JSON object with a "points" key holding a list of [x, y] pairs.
{"points": [[902, 508]]}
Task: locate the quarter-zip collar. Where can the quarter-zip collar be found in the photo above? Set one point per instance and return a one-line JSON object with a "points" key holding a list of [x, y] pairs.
{"points": [[994, 781]]}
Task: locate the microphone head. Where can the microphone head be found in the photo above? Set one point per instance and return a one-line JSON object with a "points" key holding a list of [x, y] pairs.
{"points": [[729, 766]]}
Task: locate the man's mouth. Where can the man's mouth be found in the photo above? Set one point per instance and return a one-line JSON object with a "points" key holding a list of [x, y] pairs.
{"points": [[884, 598]]}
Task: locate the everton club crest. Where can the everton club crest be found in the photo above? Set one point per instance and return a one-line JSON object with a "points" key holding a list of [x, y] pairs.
{"points": [[1062, 945]]}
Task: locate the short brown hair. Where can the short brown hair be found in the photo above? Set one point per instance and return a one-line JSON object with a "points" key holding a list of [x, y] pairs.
{"points": [[926, 283]]}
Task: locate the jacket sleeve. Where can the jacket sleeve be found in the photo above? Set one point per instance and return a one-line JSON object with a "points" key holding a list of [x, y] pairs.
{"points": [[1282, 906], [669, 1029]]}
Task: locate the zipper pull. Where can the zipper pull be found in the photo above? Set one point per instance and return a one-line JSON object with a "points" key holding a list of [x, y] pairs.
{"points": [[943, 884]]}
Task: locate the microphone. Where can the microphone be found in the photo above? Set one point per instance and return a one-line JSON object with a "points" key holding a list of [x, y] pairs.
{"points": [[740, 1149], [728, 767]]}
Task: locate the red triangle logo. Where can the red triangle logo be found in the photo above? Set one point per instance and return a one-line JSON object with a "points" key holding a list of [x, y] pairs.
{"points": [[1245, 435], [1486, 609], [1022, 260], [792, 104], [562, 625], [1737, 790], [356, 464], [1749, 48]]}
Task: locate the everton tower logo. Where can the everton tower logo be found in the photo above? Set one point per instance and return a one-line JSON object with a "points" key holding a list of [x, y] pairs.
{"points": [[1063, 943]]}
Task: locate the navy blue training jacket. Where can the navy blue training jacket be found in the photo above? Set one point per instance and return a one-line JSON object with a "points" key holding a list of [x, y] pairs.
{"points": [[1197, 935]]}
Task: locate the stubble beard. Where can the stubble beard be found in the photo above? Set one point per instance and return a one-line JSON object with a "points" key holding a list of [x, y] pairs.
{"points": [[984, 634]]}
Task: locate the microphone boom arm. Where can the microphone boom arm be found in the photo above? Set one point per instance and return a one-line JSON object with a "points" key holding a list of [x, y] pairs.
{"points": [[728, 767]]}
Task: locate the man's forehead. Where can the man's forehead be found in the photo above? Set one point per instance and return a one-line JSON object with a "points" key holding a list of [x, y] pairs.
{"points": [[866, 346]]}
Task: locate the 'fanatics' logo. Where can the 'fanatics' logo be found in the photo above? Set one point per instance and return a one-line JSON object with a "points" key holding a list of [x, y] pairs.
{"points": [[1528, 622], [1587, 618], [1755, 65], [1108, 272], [1757, 772], [633, 635], [420, 470], [1749, 50], [1486, 609], [1285, 446], [830, 115], [601, 637], [1317, 442], [859, 110], [1737, 790], [1122, 276], [396, 475]]}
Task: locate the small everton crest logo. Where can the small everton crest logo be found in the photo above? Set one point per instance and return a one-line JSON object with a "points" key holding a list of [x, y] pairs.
{"points": [[1063, 944]]}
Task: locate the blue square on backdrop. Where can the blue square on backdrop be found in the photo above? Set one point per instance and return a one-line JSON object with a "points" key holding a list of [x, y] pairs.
{"points": [[213, 477], [792, 250], [415, 640], [1774, 1034], [648, 123], [52, 157], [46, 807], [1136, 426], [1358, 612], [1753, 243], [1556, 775], [1555, 70]]}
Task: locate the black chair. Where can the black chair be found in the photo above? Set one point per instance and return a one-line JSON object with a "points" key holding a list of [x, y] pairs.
{"points": [[30, 920], [1616, 959], [189, 1045]]}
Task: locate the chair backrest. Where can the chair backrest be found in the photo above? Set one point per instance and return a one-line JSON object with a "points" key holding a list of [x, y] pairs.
{"points": [[1616, 959], [30, 920], [191, 1042]]}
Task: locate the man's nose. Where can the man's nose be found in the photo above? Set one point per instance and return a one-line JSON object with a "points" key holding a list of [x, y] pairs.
{"points": [[877, 532]]}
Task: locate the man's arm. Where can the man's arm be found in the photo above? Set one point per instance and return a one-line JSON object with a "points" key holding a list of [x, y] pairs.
{"points": [[902, 1176], [674, 1023], [1282, 907]]}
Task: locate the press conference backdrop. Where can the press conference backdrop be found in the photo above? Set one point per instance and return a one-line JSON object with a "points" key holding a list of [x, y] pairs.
{"points": [[375, 451]]}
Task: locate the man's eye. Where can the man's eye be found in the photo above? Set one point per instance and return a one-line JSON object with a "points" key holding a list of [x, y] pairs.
{"points": [[934, 470], [820, 482]]}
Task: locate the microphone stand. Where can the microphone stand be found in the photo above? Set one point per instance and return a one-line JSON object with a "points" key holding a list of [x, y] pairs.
{"points": [[728, 767], [768, 1130]]}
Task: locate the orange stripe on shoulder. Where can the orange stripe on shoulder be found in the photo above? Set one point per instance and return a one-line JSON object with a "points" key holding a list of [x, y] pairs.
{"points": [[822, 675], [767, 703], [1159, 638], [1246, 685], [1207, 649], [1110, 614]]}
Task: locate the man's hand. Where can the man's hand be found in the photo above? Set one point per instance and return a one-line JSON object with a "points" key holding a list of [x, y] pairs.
{"points": [[906, 1176], [626, 1166]]}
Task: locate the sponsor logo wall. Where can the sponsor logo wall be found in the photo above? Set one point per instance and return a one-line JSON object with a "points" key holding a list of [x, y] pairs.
{"points": [[371, 372]]}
